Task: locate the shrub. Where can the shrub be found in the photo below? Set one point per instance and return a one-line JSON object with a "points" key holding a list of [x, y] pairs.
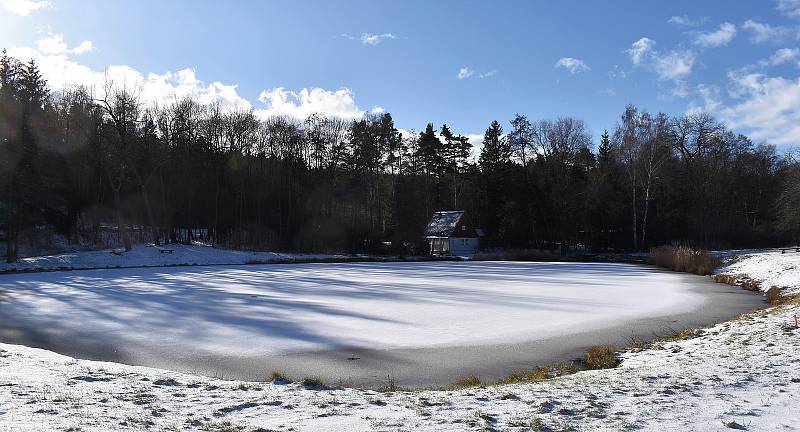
{"points": [[601, 357], [313, 382], [683, 259]]}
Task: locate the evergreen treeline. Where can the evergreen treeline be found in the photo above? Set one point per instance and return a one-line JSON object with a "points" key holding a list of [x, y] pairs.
{"points": [[72, 164]]}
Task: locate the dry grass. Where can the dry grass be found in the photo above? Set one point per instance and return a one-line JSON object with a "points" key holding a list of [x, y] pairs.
{"points": [[313, 382], [776, 297], [735, 280], [601, 357], [539, 373], [279, 378], [521, 376], [683, 259], [469, 381]]}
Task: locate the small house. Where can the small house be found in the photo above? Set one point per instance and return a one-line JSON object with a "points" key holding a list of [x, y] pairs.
{"points": [[449, 233]]}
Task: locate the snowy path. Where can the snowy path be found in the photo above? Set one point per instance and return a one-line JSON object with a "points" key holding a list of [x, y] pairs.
{"points": [[408, 320]]}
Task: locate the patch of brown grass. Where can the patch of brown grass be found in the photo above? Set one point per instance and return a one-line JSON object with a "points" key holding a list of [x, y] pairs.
{"points": [[468, 381], [279, 378], [775, 297], [539, 373], [601, 357], [683, 259]]}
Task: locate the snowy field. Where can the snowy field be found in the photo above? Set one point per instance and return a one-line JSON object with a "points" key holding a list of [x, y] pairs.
{"points": [[738, 375], [151, 256], [170, 317]]}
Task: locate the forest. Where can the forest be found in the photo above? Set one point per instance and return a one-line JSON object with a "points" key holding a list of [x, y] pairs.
{"points": [[77, 164]]}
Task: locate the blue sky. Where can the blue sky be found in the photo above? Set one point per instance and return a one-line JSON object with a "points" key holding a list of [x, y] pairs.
{"points": [[465, 63]]}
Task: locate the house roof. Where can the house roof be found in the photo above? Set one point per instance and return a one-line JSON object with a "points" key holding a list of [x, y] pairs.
{"points": [[443, 224]]}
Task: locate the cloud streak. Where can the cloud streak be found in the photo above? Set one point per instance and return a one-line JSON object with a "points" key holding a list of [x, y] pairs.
{"points": [[573, 65], [375, 39], [25, 7], [720, 37]]}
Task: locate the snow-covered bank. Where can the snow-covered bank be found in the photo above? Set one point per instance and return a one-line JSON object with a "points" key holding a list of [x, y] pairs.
{"points": [[152, 256], [768, 269]]}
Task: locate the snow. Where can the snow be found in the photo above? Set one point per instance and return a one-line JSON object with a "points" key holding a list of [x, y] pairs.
{"points": [[769, 268], [270, 309], [741, 374], [743, 371], [151, 256]]}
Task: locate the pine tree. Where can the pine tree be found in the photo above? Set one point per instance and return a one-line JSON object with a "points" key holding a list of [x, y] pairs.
{"points": [[430, 151], [496, 152], [455, 151], [604, 151]]}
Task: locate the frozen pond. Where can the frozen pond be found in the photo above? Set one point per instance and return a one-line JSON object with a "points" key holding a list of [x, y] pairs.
{"points": [[419, 323]]}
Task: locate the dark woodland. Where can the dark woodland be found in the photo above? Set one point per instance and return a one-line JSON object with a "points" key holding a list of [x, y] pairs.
{"points": [[76, 163]]}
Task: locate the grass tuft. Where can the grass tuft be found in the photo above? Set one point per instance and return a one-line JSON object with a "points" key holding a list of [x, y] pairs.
{"points": [[539, 373], [469, 381], [601, 357], [313, 382]]}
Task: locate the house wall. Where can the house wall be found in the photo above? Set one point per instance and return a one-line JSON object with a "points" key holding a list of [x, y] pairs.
{"points": [[463, 246]]}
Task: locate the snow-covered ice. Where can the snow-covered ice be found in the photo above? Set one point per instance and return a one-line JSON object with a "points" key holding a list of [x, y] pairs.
{"points": [[268, 309]]}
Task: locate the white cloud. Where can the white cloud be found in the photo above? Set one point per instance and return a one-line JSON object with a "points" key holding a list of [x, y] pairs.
{"points": [[301, 104], [784, 55], [789, 8], [465, 72], [477, 145], [762, 32], [55, 45], [573, 65], [488, 74], [25, 7], [722, 36], [674, 65], [348, 36], [768, 108], [375, 39], [62, 71], [59, 68], [640, 49], [684, 20]]}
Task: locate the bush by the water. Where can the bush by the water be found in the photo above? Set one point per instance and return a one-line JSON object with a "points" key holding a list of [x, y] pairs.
{"points": [[601, 357], [683, 259]]}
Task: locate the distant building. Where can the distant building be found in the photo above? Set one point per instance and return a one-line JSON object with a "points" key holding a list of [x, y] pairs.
{"points": [[449, 233]]}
